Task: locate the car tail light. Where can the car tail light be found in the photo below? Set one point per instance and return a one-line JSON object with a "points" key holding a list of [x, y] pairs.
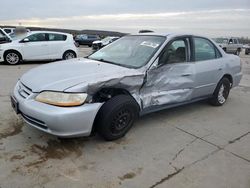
{"points": [[76, 44]]}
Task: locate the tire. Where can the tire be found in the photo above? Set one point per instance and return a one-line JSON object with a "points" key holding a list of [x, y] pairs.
{"points": [[12, 58], [116, 117], [237, 52], [221, 92], [69, 55]]}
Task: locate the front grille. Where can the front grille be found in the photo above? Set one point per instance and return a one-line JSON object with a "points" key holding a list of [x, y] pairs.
{"points": [[23, 90], [34, 121]]}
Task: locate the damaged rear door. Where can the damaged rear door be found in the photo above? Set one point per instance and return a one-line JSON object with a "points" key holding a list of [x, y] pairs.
{"points": [[171, 79]]}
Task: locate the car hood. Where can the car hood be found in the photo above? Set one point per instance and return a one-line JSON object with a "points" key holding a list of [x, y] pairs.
{"points": [[63, 75], [9, 43], [97, 42]]}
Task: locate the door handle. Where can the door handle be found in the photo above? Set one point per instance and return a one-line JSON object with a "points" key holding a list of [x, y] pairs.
{"points": [[187, 74], [219, 69]]}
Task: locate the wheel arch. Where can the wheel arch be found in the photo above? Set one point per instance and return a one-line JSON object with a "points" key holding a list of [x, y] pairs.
{"points": [[229, 77], [12, 50], [69, 50], [104, 94]]}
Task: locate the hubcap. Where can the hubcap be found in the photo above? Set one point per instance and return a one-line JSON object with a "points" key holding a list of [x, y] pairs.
{"points": [[121, 121], [69, 56], [222, 94], [12, 58]]}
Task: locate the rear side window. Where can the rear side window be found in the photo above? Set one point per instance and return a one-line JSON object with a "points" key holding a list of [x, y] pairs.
{"points": [[204, 49], [57, 37], [92, 37]]}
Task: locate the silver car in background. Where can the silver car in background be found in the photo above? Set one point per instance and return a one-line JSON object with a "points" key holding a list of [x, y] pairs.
{"points": [[136, 75]]}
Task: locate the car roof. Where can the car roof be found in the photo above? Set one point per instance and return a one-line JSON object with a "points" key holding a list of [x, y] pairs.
{"points": [[165, 34], [54, 32], [170, 35]]}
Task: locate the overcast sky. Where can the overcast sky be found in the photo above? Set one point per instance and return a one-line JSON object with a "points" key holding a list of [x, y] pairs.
{"points": [[207, 17]]}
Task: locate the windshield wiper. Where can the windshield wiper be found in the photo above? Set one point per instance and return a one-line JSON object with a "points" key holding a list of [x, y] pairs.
{"points": [[110, 62], [105, 61]]}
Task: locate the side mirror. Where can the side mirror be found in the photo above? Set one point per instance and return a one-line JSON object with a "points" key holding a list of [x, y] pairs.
{"points": [[25, 40]]}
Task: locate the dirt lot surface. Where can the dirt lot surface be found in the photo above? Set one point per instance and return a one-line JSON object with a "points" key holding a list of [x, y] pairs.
{"points": [[194, 146]]}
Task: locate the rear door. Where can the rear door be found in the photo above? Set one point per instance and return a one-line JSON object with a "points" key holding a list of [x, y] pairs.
{"points": [[172, 81], [56, 44], [208, 66], [36, 48]]}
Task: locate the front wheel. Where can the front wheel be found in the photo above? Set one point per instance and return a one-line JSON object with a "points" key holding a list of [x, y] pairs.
{"points": [[221, 92], [116, 117], [12, 58]]}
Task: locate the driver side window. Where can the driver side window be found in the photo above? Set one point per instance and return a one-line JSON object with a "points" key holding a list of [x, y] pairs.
{"points": [[37, 37], [175, 52]]}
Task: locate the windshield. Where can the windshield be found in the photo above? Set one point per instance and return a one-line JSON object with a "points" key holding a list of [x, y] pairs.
{"points": [[221, 40], [130, 51], [2, 35]]}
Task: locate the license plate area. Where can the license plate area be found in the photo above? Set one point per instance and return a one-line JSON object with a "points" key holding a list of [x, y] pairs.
{"points": [[14, 104]]}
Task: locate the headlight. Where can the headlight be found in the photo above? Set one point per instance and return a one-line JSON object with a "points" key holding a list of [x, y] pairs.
{"points": [[62, 99]]}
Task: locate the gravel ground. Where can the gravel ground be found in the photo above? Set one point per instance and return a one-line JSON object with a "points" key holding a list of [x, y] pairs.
{"points": [[192, 146]]}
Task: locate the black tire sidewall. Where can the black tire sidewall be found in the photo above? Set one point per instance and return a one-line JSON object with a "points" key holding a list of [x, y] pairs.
{"points": [[65, 53], [214, 101], [5, 59], [108, 112]]}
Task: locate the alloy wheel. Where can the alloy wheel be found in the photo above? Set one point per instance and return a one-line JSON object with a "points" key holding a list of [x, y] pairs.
{"points": [[12, 58]]}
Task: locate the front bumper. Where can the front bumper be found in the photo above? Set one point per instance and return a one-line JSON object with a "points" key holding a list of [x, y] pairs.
{"points": [[237, 78], [58, 121]]}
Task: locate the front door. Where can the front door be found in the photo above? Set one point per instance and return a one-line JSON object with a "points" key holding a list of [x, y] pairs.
{"points": [[172, 80], [35, 48]]}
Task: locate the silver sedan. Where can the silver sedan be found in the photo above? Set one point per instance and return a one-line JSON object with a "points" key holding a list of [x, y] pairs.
{"points": [[133, 76]]}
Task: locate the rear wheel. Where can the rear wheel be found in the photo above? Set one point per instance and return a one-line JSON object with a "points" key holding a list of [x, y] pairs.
{"points": [[237, 52], [221, 92], [116, 117], [12, 58], [69, 55]]}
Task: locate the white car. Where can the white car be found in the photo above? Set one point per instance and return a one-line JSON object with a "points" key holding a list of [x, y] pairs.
{"points": [[8, 30], [38, 45], [230, 45]]}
